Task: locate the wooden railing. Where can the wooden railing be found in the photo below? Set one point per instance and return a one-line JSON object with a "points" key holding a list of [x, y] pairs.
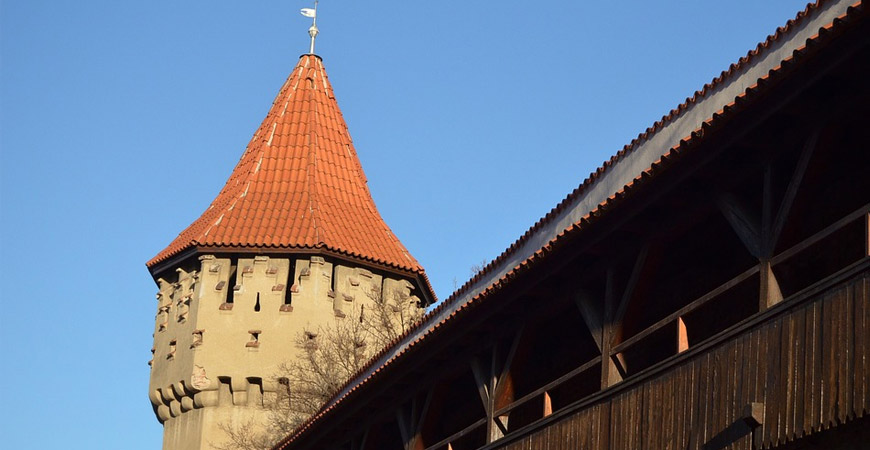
{"points": [[676, 318]]}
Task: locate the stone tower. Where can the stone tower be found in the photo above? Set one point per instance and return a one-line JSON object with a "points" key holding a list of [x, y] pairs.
{"points": [[292, 240]]}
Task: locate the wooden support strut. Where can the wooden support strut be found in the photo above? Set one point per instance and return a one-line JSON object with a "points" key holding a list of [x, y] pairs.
{"points": [[484, 378], [411, 419], [495, 387], [613, 366], [760, 239]]}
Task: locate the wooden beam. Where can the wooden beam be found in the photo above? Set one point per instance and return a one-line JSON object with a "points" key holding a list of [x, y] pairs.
{"points": [[742, 222], [482, 382], [791, 191], [637, 270], [419, 418]]}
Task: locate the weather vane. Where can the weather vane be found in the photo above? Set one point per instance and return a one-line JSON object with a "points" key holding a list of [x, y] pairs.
{"points": [[312, 13]]}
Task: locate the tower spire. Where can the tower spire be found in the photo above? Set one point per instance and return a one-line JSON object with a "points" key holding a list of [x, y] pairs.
{"points": [[312, 31]]}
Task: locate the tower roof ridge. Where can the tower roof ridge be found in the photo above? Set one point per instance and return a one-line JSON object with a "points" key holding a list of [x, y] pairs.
{"points": [[298, 185]]}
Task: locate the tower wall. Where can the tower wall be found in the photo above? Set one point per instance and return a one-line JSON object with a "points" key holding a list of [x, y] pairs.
{"points": [[224, 326]]}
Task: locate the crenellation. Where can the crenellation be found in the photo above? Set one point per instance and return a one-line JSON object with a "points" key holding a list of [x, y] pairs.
{"points": [[355, 284], [252, 328]]}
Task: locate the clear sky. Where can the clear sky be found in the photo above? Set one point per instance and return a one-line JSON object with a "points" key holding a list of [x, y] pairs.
{"points": [[120, 121]]}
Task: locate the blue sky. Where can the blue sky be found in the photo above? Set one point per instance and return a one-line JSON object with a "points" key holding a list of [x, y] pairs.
{"points": [[120, 121]]}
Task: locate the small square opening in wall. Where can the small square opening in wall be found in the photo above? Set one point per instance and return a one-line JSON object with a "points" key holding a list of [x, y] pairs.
{"points": [[197, 338], [254, 342]]}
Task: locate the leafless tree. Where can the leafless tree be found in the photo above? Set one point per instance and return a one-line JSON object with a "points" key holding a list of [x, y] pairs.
{"points": [[329, 356]]}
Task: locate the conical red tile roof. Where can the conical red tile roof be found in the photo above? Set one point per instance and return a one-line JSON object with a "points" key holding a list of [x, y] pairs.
{"points": [[299, 185]]}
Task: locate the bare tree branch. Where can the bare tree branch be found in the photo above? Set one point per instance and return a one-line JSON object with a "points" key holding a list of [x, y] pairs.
{"points": [[328, 356]]}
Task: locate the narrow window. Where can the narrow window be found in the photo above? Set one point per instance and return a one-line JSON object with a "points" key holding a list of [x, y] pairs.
{"points": [[234, 287], [228, 303]]}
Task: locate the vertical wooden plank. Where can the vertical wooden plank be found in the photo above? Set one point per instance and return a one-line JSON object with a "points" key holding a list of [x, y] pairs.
{"points": [[800, 370], [865, 302], [857, 352], [788, 348], [709, 398], [615, 424], [733, 384], [809, 362], [726, 391], [657, 425], [670, 420], [770, 401], [782, 375], [685, 407], [640, 429], [635, 422], [567, 431], [719, 360], [625, 422], [760, 393], [862, 344], [844, 405], [829, 327], [818, 363], [603, 438], [698, 403], [785, 379], [743, 351], [659, 408]]}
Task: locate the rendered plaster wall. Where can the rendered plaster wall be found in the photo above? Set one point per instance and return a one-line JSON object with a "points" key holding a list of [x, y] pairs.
{"points": [[223, 330]]}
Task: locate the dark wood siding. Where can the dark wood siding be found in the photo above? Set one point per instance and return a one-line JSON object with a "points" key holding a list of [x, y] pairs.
{"points": [[808, 366]]}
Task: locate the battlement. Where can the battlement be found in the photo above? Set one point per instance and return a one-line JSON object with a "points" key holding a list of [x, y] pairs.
{"points": [[224, 325]]}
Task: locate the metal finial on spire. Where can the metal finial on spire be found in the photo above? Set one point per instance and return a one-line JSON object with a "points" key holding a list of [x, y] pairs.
{"points": [[312, 13]]}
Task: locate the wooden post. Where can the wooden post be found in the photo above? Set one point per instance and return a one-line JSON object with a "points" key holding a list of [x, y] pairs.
{"points": [[485, 378], [548, 405], [769, 294], [682, 336], [609, 373]]}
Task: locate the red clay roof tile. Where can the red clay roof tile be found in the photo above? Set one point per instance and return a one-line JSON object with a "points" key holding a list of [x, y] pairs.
{"points": [[298, 185]]}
